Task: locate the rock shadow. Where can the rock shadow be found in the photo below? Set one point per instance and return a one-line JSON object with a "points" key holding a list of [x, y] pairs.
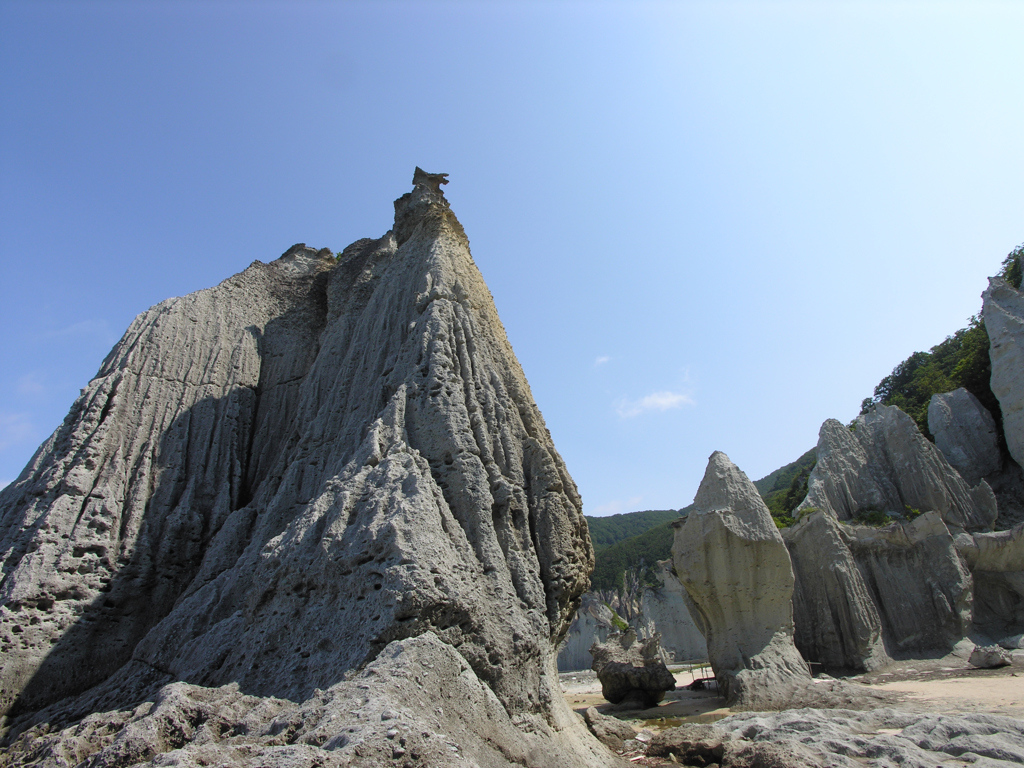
{"points": [[210, 466]]}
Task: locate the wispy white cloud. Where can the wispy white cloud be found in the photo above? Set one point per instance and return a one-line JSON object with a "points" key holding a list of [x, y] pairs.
{"points": [[14, 428], [602, 360], [615, 507], [656, 401]]}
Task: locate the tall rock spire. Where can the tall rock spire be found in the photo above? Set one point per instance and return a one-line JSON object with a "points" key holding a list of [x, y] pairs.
{"points": [[272, 481]]}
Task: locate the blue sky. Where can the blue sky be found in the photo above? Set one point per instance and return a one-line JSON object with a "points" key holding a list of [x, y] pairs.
{"points": [[706, 226]]}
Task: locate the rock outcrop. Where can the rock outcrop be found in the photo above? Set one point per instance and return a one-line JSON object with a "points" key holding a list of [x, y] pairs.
{"points": [[322, 482], [868, 593], [663, 610], [990, 657], [632, 673], [865, 594], [996, 561], [593, 623], [966, 434], [837, 623], [884, 464], [734, 566], [1003, 312]]}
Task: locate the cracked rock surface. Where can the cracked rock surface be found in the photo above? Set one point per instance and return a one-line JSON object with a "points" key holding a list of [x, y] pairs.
{"points": [[272, 485]]}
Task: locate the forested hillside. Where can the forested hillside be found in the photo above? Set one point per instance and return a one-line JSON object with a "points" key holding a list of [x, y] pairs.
{"points": [[638, 553], [607, 531]]}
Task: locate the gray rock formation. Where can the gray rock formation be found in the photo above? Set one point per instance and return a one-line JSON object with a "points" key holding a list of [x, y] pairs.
{"points": [[417, 703], [996, 561], [1003, 311], [885, 464], [884, 736], [837, 622], [966, 434], [632, 673], [734, 566], [919, 584], [313, 469], [693, 744], [593, 623], [610, 731], [990, 657], [866, 594], [665, 610]]}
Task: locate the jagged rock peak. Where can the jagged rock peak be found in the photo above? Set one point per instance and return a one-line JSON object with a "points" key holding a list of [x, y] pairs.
{"points": [[315, 471], [883, 463], [736, 570]]}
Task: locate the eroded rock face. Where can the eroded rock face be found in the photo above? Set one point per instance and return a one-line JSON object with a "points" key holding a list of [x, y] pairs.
{"points": [[734, 565], [1003, 311], [593, 623], [665, 610], [631, 672], [996, 561], [966, 434], [990, 657], [885, 464], [271, 481], [418, 703], [836, 619], [865, 594]]}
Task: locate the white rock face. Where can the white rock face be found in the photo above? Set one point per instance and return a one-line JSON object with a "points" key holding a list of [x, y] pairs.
{"points": [[272, 481], [965, 432], [1003, 311], [593, 624], [666, 611], [734, 566], [886, 464]]}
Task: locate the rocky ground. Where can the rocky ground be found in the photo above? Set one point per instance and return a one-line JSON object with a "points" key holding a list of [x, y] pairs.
{"points": [[934, 712]]}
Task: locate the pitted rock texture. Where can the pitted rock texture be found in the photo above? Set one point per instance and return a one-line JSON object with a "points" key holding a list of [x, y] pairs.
{"points": [[883, 463], [966, 434], [734, 565], [610, 731], [271, 480], [885, 737], [1003, 312], [631, 672], [417, 704], [990, 657]]}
